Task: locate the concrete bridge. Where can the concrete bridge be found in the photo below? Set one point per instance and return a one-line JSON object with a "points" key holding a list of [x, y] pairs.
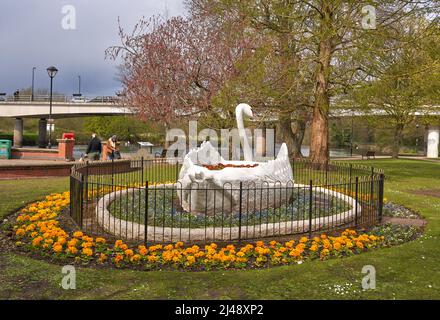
{"points": [[65, 107], [62, 107]]}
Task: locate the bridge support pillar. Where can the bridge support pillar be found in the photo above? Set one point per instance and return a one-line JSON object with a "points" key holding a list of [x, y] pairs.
{"points": [[42, 129], [18, 133], [433, 141]]}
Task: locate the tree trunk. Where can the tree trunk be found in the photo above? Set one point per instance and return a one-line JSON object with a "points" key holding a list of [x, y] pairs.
{"points": [[287, 134], [293, 136], [298, 129], [398, 129], [319, 144]]}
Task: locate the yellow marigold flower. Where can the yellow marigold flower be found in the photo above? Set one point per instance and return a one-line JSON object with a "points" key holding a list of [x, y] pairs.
{"points": [[359, 244], [135, 258], [337, 246], [259, 244], [179, 244], [273, 243], [314, 247], [142, 250], [72, 243], [191, 259], [87, 244], [102, 257], [123, 247], [57, 248], [78, 234], [128, 252], [303, 239], [118, 258], [118, 243], [323, 236], [294, 253], [152, 258], [169, 247], [20, 232], [87, 251], [100, 240], [289, 244], [240, 254], [72, 250]]}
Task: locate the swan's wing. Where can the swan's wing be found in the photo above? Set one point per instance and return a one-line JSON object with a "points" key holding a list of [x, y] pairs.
{"points": [[205, 154], [279, 169]]}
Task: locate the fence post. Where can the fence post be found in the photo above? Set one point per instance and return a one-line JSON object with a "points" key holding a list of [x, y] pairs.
{"points": [[146, 214], [142, 169], [310, 207], [381, 181], [71, 194], [113, 171], [350, 171], [240, 211], [81, 196], [177, 169], [356, 206]]}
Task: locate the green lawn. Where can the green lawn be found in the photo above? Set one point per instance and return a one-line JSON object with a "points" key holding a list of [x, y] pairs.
{"points": [[409, 271]]}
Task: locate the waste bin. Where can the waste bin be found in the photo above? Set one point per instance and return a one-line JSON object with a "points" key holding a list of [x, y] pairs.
{"points": [[5, 149]]}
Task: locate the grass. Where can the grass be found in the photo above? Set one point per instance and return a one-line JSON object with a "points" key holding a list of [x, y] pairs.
{"points": [[409, 271], [17, 193]]}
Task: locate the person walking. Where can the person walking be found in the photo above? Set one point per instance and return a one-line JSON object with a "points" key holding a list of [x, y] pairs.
{"points": [[112, 148], [94, 148]]}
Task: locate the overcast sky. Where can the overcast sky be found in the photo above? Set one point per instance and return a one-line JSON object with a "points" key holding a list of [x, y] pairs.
{"points": [[31, 34]]}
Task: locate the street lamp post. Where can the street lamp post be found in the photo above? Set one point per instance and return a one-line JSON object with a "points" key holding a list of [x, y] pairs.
{"points": [[51, 71], [33, 77]]}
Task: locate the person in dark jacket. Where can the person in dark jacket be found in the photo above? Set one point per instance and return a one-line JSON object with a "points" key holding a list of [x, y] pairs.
{"points": [[94, 148]]}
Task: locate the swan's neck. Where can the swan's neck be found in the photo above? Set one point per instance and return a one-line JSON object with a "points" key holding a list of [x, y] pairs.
{"points": [[247, 151]]}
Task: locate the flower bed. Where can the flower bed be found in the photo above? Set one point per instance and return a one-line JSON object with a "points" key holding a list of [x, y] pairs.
{"points": [[221, 166], [37, 228]]}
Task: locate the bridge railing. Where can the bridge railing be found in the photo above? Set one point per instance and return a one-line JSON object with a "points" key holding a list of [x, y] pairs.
{"points": [[57, 98]]}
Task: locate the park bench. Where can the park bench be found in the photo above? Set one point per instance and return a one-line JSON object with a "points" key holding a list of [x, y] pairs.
{"points": [[369, 154]]}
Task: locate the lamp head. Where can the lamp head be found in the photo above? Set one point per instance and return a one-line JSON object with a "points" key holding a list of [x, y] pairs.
{"points": [[52, 71]]}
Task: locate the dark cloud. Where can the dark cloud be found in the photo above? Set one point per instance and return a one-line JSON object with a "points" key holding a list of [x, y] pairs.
{"points": [[31, 35]]}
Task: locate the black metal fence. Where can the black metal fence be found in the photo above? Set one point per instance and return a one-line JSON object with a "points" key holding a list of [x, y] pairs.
{"points": [[142, 201]]}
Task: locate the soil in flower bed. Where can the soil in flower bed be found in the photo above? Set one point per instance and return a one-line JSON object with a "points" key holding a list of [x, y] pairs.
{"points": [[164, 210]]}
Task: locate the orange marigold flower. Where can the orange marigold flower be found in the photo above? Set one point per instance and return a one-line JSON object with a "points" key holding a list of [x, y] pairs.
{"points": [[100, 240], [142, 250], [118, 258], [128, 252], [303, 239], [72, 250], [179, 244], [20, 232], [118, 243], [87, 251], [57, 248], [78, 234]]}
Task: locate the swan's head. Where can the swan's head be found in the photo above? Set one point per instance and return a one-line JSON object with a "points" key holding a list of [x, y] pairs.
{"points": [[244, 108]]}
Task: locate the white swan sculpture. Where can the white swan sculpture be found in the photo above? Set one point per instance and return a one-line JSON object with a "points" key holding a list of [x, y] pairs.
{"points": [[264, 184]]}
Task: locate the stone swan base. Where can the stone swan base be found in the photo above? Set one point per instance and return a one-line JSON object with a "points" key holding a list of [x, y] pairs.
{"points": [[134, 231]]}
